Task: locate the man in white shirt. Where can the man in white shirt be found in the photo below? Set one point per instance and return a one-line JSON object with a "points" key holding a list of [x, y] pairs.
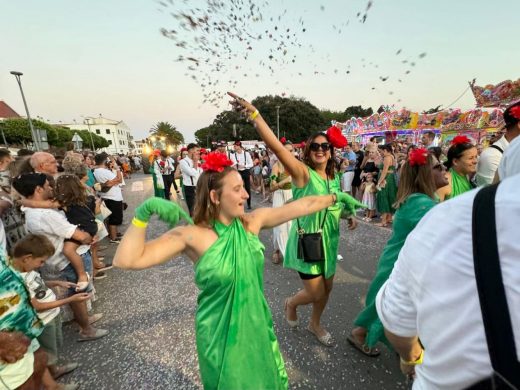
{"points": [[427, 139], [190, 171], [491, 156], [432, 293], [54, 225], [167, 168], [243, 162], [111, 194]]}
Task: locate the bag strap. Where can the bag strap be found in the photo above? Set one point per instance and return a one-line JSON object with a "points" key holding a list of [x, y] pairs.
{"points": [[324, 215], [491, 291], [497, 148]]}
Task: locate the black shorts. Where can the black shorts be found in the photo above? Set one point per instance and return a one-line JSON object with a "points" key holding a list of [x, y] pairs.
{"points": [[309, 276], [116, 206]]}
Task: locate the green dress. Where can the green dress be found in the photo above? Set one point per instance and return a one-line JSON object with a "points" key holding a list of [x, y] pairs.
{"points": [[312, 223], [405, 220], [236, 344], [459, 184], [157, 192], [385, 198]]}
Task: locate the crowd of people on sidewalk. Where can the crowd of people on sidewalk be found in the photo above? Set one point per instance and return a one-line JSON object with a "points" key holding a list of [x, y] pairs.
{"points": [[433, 300], [57, 219]]}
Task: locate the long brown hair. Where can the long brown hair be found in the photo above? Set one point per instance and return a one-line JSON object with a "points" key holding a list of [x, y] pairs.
{"points": [[330, 170], [416, 179], [69, 191], [206, 211]]}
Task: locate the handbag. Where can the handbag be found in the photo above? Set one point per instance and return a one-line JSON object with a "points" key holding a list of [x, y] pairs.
{"points": [[310, 245], [105, 211]]}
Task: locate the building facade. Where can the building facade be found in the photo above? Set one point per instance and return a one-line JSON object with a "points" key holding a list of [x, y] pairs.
{"points": [[117, 133]]}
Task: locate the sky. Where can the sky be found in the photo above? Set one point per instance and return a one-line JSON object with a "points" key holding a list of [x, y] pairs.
{"points": [[92, 57]]}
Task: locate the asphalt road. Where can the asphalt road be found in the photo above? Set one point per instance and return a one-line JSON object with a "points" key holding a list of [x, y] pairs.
{"points": [[150, 315]]}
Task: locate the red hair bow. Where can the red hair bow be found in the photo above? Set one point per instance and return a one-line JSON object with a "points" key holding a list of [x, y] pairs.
{"points": [[216, 162], [515, 112], [336, 137], [460, 139], [418, 157], [283, 140]]}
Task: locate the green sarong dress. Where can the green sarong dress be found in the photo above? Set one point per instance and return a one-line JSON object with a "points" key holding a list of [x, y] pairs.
{"points": [[405, 220], [157, 192], [385, 198], [459, 184], [312, 223], [236, 344]]}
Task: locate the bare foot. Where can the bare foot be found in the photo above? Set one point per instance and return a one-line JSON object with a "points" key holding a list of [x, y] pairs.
{"points": [[290, 311]]}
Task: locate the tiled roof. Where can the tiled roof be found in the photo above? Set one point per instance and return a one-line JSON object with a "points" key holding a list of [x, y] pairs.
{"points": [[6, 111]]}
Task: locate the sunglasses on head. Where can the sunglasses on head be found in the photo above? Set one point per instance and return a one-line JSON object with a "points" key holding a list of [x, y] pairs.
{"points": [[316, 146]]}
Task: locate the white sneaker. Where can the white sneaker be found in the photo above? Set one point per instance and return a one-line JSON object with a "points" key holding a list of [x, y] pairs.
{"points": [[340, 258]]}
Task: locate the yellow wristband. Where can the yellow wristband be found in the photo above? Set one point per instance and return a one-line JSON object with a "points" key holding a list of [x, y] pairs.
{"points": [[253, 115], [415, 362], [138, 223]]}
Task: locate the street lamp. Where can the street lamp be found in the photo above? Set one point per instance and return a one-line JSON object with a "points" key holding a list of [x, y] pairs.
{"points": [[278, 121], [34, 135], [87, 121]]}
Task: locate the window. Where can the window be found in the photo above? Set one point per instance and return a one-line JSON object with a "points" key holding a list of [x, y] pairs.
{"points": [[107, 131], [109, 142], [98, 131]]}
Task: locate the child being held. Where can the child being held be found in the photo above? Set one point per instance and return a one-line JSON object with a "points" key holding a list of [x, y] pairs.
{"points": [[80, 210], [29, 254], [368, 188]]}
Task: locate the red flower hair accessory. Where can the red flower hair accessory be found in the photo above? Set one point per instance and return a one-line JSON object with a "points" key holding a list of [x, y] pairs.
{"points": [[216, 162], [283, 140], [515, 112], [418, 157], [336, 137], [460, 139]]}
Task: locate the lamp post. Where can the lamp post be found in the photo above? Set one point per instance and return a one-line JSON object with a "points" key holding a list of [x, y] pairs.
{"points": [[87, 121], [34, 135], [278, 121]]}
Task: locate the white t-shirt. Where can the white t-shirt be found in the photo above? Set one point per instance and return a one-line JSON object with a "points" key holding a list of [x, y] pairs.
{"points": [[36, 286], [190, 175], [53, 224], [242, 160], [103, 175], [432, 292], [489, 161]]}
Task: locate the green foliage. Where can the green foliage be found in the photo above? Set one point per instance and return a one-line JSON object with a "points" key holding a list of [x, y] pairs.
{"points": [[167, 130], [18, 132], [298, 120]]}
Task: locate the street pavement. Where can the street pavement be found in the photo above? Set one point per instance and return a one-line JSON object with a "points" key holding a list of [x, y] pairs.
{"points": [[150, 315]]}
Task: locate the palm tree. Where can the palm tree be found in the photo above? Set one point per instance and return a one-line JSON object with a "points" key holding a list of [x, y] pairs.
{"points": [[168, 131]]}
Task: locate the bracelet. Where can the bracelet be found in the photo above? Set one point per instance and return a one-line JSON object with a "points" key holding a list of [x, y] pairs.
{"points": [[138, 223], [414, 362], [253, 115]]}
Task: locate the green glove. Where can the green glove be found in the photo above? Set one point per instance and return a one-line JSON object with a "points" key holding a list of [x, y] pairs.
{"points": [[349, 204], [167, 211]]}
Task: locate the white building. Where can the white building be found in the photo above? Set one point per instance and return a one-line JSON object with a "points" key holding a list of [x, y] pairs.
{"points": [[139, 146], [117, 133]]}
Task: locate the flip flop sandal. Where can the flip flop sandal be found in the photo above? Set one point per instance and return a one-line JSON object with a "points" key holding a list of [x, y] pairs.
{"points": [[326, 339], [292, 324], [363, 348], [82, 286]]}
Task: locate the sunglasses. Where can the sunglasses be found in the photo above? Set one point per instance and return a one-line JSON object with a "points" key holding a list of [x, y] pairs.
{"points": [[439, 167], [316, 146]]}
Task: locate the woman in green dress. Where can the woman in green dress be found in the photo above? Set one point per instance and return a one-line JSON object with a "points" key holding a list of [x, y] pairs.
{"points": [[315, 175], [420, 177], [387, 186], [461, 164], [155, 170], [236, 344]]}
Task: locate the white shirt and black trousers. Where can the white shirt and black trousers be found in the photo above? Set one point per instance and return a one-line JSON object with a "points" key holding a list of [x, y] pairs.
{"points": [[243, 163], [190, 176], [167, 175]]}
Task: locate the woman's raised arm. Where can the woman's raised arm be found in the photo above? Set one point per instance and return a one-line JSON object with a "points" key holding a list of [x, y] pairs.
{"points": [[295, 167]]}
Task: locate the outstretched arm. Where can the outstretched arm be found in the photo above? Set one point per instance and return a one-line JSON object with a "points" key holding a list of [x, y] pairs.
{"points": [[134, 253], [296, 168]]}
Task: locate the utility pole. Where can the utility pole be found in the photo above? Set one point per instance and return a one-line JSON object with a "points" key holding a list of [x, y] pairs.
{"points": [[278, 121]]}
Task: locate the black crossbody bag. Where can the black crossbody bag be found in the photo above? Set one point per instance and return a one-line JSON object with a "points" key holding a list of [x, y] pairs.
{"points": [[310, 245], [492, 297]]}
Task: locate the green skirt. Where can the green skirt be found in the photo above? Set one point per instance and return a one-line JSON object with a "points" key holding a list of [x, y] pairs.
{"points": [[386, 197]]}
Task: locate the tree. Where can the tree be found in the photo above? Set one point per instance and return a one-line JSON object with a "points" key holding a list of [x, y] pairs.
{"points": [[329, 116], [169, 132], [358, 112]]}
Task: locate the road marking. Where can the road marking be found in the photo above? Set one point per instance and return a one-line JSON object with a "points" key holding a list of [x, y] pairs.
{"points": [[137, 186]]}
